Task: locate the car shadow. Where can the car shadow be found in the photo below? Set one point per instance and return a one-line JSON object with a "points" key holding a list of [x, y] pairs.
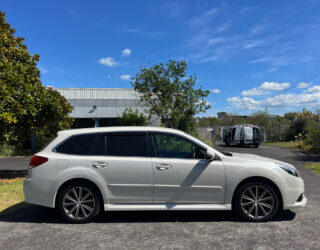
{"points": [[234, 146], [38, 214], [299, 155]]}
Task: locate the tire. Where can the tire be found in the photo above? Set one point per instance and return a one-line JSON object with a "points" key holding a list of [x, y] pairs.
{"points": [[226, 141], [256, 145], [79, 210], [255, 210]]}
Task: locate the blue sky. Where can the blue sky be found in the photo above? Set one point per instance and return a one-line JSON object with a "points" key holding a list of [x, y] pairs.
{"points": [[251, 55]]}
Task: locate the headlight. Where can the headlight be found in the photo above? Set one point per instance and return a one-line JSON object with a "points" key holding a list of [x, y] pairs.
{"points": [[289, 169]]}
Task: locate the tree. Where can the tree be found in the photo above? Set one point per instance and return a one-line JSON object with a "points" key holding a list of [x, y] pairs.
{"points": [[171, 95], [26, 106], [132, 118]]}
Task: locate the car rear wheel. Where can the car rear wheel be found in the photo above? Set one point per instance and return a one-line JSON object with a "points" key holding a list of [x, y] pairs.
{"points": [[256, 201], [79, 202]]}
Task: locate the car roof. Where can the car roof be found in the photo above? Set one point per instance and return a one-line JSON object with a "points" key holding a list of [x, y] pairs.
{"points": [[118, 129]]}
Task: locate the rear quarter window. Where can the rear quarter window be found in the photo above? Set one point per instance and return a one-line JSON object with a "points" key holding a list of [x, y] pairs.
{"points": [[90, 144]]}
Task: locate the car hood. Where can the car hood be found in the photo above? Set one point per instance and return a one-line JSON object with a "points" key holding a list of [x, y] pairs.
{"points": [[252, 157]]}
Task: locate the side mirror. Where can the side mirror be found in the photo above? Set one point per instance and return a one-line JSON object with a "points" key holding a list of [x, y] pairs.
{"points": [[211, 156]]}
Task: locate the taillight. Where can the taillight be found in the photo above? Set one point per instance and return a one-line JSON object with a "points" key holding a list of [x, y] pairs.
{"points": [[37, 161]]}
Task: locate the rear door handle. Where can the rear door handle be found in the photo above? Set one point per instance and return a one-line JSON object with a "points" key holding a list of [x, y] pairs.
{"points": [[163, 166], [99, 164]]}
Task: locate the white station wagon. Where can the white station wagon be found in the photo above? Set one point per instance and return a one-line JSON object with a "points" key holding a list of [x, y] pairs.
{"points": [[84, 171]]}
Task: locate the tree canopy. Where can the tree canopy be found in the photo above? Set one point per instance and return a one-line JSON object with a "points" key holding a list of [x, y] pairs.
{"points": [[132, 118], [170, 94], [26, 106]]}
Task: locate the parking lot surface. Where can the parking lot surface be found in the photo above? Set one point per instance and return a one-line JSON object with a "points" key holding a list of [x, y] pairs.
{"points": [[41, 228]]}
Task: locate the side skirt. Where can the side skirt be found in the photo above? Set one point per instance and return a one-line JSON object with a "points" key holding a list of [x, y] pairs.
{"points": [[155, 207]]}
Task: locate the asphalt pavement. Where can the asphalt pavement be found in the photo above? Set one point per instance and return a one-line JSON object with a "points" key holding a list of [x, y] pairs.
{"points": [[41, 228], [18, 163]]}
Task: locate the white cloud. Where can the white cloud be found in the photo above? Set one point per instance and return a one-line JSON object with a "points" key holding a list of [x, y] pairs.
{"points": [[215, 91], [245, 102], [279, 101], [204, 18], [303, 85], [143, 33], [254, 43], [125, 77], [258, 28], [126, 52], [43, 70], [314, 89], [222, 27], [108, 61], [274, 86], [265, 88], [253, 92]]}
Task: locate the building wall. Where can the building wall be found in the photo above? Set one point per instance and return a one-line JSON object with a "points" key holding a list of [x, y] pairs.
{"points": [[105, 105]]}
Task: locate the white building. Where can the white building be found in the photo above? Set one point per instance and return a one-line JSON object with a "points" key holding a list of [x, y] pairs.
{"points": [[102, 107]]}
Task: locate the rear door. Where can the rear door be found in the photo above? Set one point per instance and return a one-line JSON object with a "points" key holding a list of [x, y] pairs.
{"points": [[182, 174], [126, 167]]}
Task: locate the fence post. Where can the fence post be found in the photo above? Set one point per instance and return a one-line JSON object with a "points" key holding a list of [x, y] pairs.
{"points": [[33, 143]]}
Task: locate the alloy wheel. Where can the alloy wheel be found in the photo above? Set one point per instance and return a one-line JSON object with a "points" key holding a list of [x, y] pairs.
{"points": [[257, 201], [79, 203]]}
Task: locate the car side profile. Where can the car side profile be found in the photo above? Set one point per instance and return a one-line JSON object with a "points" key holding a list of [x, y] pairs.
{"points": [[84, 171]]}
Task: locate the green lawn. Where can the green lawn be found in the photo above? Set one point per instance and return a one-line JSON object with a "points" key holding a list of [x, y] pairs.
{"points": [[315, 167], [285, 144], [11, 195]]}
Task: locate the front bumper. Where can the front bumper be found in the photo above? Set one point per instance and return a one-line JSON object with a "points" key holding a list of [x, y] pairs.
{"points": [[297, 204]]}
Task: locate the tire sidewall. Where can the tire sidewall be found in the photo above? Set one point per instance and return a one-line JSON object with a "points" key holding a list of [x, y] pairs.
{"points": [[94, 192]]}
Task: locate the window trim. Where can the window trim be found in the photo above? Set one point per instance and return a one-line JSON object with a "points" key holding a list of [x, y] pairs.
{"points": [[153, 133]]}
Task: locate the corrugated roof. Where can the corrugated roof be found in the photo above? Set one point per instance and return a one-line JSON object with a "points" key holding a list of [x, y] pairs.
{"points": [[98, 93]]}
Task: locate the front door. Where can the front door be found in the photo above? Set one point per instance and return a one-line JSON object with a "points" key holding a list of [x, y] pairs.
{"points": [[182, 174], [126, 169]]}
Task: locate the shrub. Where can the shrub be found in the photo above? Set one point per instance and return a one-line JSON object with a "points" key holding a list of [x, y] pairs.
{"points": [[7, 150], [312, 138], [132, 118]]}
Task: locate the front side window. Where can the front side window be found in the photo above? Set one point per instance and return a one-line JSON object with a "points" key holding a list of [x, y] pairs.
{"points": [[126, 145], [172, 146]]}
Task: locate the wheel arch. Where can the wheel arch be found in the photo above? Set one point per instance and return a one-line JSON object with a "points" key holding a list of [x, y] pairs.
{"points": [[257, 178], [67, 182]]}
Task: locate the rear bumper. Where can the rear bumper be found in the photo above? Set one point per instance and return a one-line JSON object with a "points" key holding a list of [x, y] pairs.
{"points": [[37, 192]]}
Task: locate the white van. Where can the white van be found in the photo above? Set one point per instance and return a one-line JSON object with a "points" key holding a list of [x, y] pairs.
{"points": [[245, 134]]}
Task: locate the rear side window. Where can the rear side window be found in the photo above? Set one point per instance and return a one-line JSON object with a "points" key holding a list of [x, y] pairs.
{"points": [[126, 145], [98, 145], [91, 144]]}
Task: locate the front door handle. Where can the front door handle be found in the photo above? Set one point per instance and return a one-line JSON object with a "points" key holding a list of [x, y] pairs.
{"points": [[163, 166], [99, 164]]}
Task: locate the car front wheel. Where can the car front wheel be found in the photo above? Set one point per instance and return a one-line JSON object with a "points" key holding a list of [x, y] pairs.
{"points": [[79, 202], [256, 201]]}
